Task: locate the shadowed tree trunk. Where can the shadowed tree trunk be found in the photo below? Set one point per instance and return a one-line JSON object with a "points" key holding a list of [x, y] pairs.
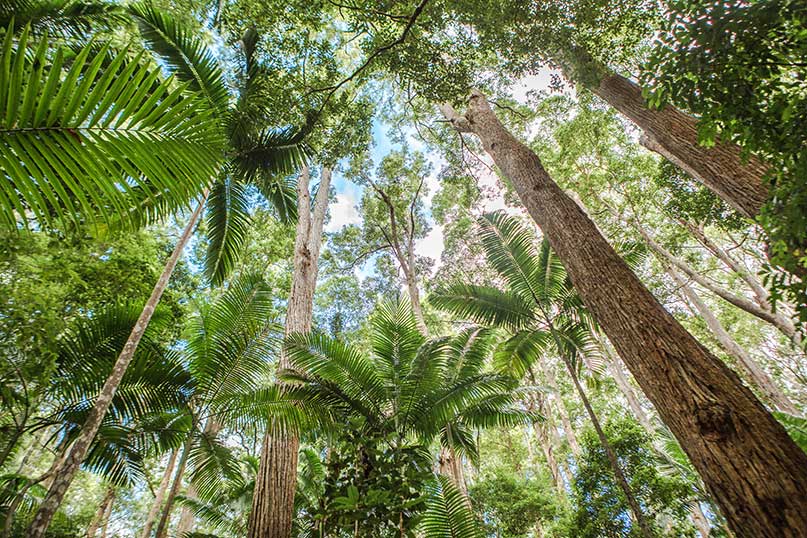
{"points": [[159, 495], [68, 468], [276, 481], [752, 371], [749, 464]]}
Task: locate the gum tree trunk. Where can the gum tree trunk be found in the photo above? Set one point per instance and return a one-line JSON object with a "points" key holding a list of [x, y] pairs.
{"points": [[673, 134], [276, 482], [749, 464], [69, 467]]}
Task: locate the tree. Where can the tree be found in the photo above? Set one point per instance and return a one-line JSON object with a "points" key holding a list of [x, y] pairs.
{"points": [[254, 153], [541, 310], [273, 500], [716, 422], [406, 388], [598, 503], [229, 344]]}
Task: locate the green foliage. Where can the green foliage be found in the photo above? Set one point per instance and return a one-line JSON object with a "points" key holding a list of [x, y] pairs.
{"points": [[447, 513], [693, 203], [91, 139], [72, 20], [371, 485], [510, 505], [601, 510], [739, 67]]}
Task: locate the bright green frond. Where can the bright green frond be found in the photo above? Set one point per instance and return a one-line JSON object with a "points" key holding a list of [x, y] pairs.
{"points": [[90, 139], [510, 249], [447, 513], [67, 19], [228, 222], [484, 304], [184, 53], [517, 354]]}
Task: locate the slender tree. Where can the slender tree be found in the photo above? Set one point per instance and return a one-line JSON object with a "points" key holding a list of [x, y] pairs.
{"points": [[749, 464]]}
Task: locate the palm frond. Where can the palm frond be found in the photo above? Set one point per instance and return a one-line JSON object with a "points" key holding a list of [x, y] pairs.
{"points": [[212, 463], [184, 53], [266, 152], [281, 193], [518, 353], [82, 142], [228, 222], [67, 19], [447, 513], [484, 304], [510, 249]]}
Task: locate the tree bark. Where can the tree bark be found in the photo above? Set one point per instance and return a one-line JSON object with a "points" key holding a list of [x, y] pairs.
{"points": [[176, 485], [276, 482], [673, 134], [754, 374], [151, 518], [69, 467], [751, 467]]}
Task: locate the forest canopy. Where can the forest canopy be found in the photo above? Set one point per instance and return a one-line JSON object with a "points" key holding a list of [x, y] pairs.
{"points": [[423, 268]]}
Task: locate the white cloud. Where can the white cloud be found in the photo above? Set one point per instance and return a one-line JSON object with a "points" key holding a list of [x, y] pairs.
{"points": [[343, 212]]}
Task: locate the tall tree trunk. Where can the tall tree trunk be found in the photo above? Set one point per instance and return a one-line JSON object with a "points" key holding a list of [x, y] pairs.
{"points": [[176, 485], [102, 513], [70, 466], [644, 526], [673, 134], [273, 501], [751, 467], [159, 495], [414, 298], [754, 374]]}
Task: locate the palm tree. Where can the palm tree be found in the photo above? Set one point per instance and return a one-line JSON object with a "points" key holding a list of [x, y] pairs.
{"points": [[406, 389], [228, 348], [155, 383], [254, 155], [541, 310]]}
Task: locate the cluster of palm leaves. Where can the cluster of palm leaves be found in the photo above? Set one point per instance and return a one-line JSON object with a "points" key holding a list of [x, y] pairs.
{"points": [[93, 135]]}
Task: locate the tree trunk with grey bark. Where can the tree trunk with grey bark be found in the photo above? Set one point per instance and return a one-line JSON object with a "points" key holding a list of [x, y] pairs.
{"points": [[276, 482], [749, 464], [69, 467], [565, 420], [159, 495], [753, 373]]}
